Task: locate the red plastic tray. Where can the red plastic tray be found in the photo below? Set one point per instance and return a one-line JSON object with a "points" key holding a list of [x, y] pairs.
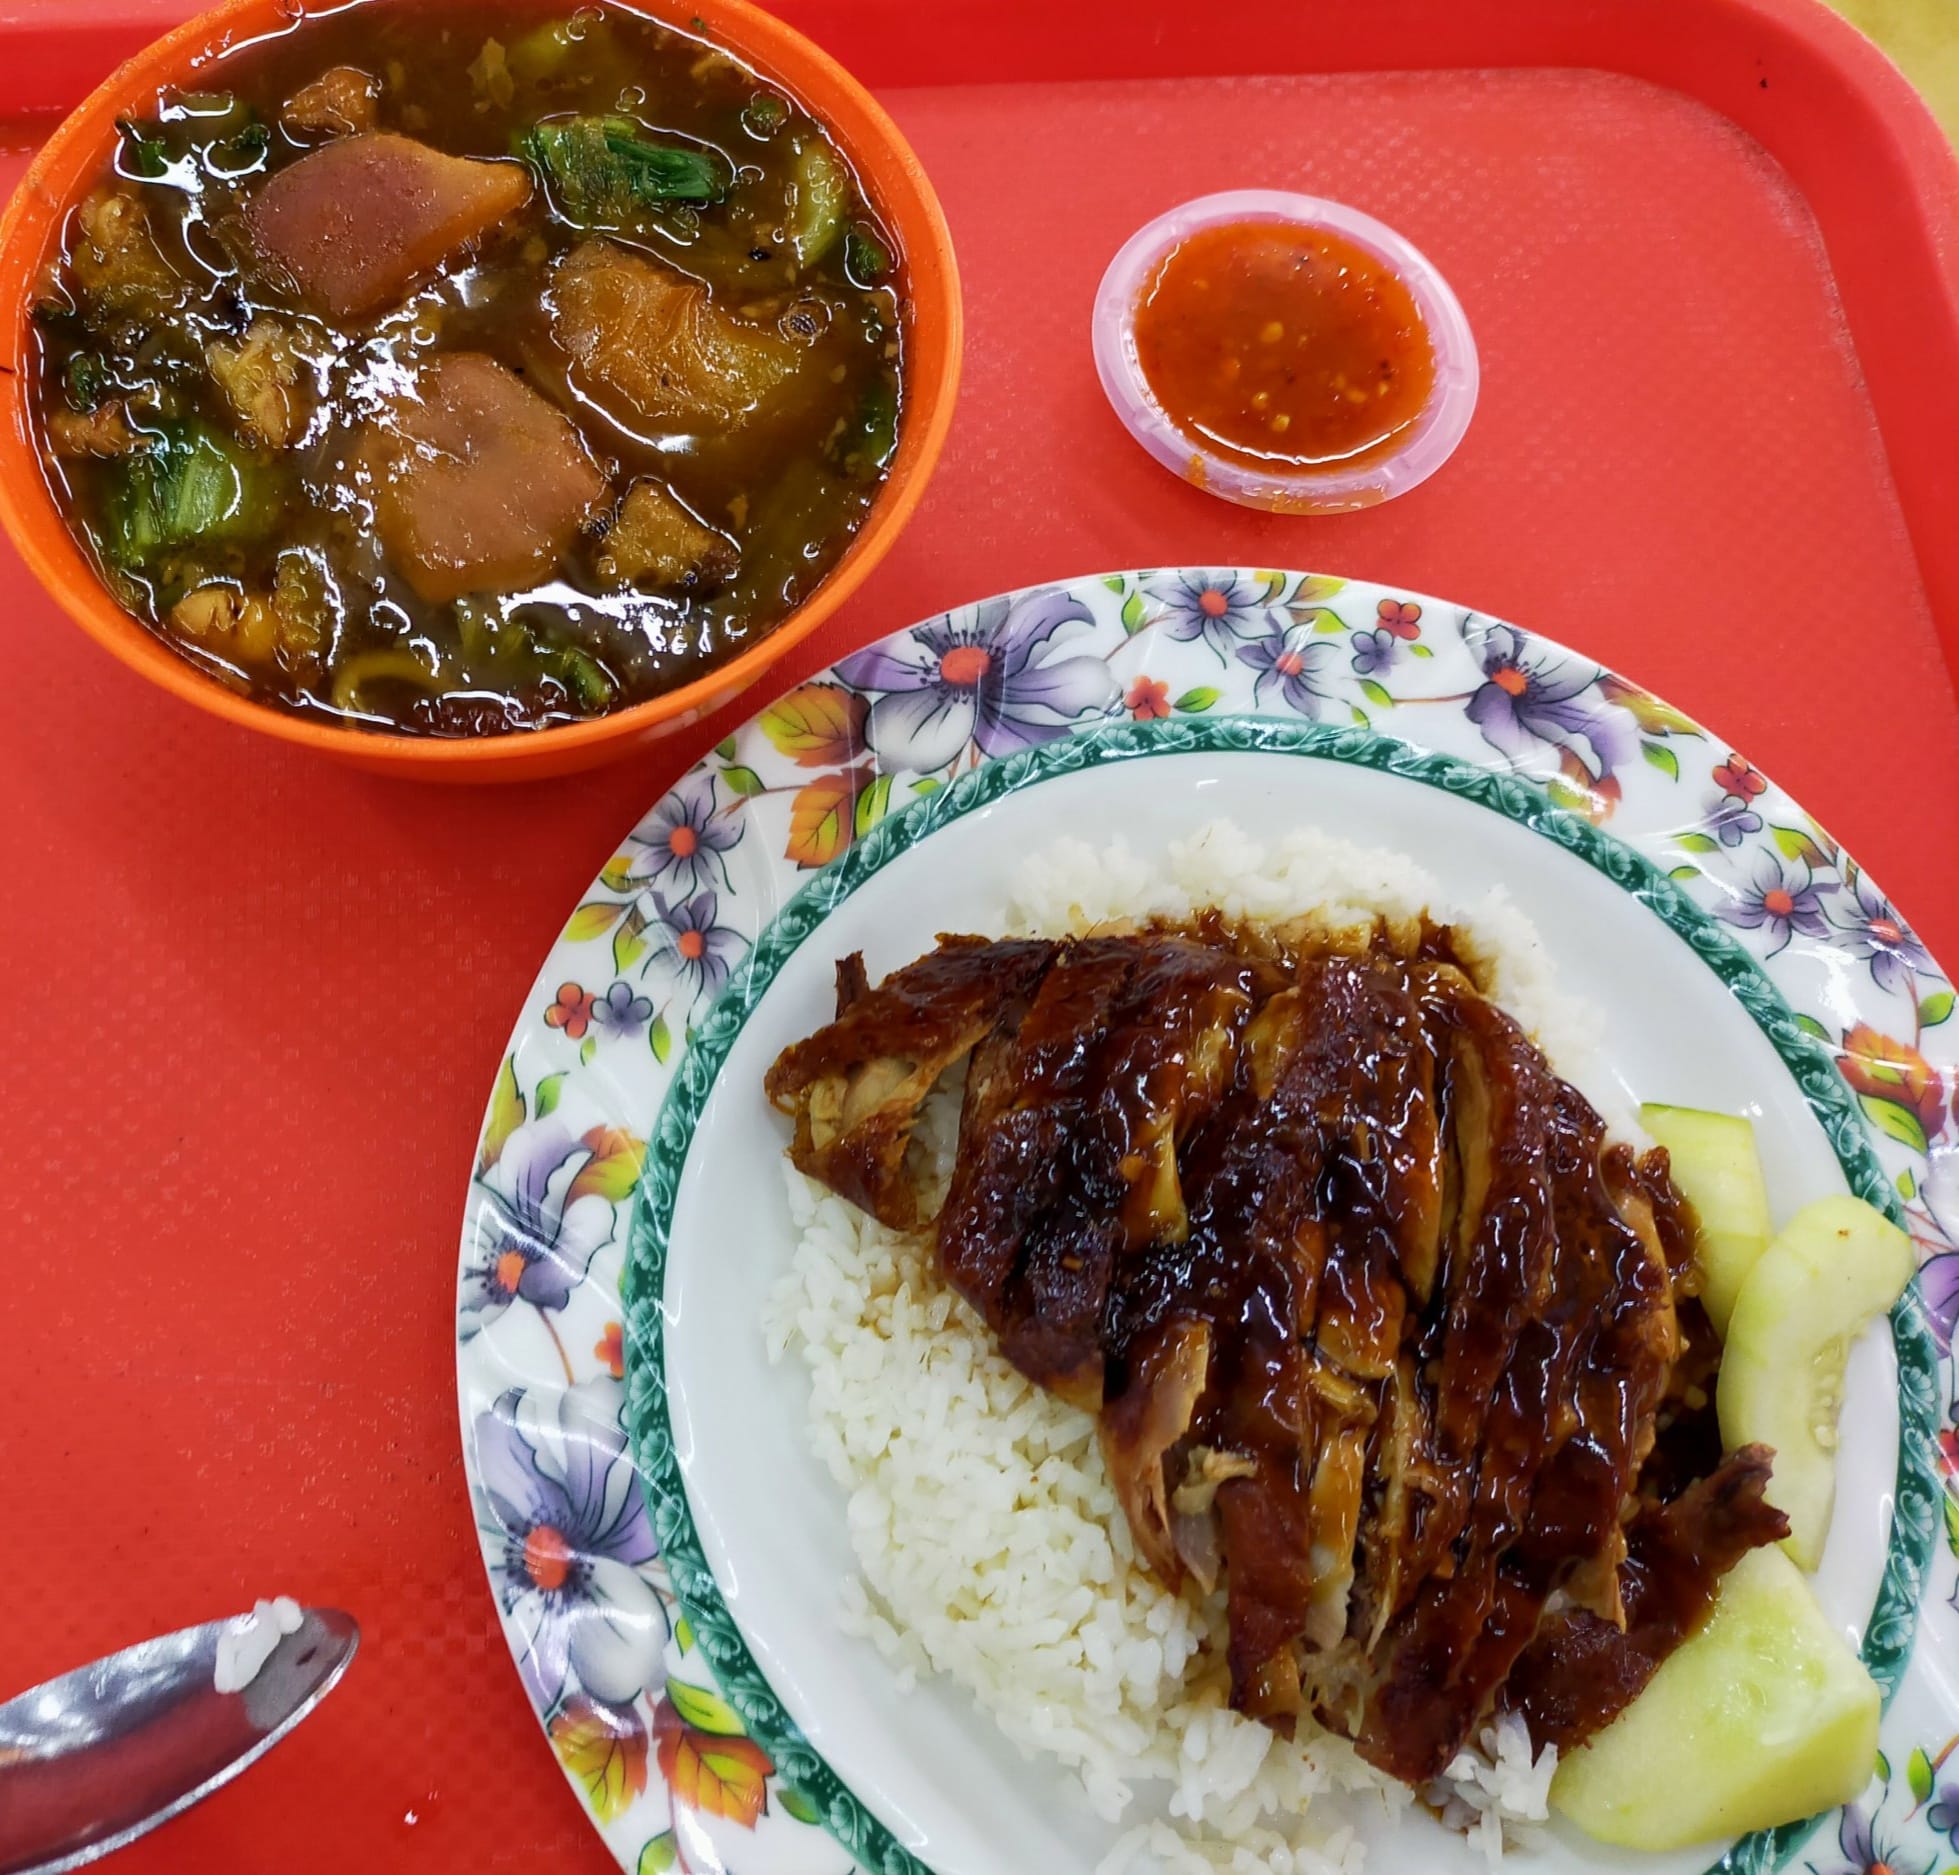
{"points": [[253, 1003]]}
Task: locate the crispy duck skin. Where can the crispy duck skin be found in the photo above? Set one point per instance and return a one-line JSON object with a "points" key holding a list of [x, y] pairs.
{"points": [[855, 1087], [1568, 1427], [1381, 1332], [1067, 1160], [1582, 1670]]}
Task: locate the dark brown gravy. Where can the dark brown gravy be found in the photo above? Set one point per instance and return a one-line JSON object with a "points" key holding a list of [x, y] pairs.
{"points": [[657, 537]]}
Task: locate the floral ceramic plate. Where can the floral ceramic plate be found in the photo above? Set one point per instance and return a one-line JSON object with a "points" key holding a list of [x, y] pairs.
{"points": [[667, 1592]]}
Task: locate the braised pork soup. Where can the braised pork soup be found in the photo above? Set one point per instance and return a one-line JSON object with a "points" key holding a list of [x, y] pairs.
{"points": [[468, 370]]}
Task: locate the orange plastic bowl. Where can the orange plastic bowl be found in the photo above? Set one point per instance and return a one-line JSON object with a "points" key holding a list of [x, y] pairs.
{"points": [[30, 231]]}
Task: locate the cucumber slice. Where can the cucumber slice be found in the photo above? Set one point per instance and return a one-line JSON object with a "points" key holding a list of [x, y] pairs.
{"points": [[1719, 1172], [1763, 1716], [1834, 1267]]}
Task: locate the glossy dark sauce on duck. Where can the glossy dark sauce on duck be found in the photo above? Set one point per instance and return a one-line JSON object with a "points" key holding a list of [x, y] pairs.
{"points": [[1381, 1330]]}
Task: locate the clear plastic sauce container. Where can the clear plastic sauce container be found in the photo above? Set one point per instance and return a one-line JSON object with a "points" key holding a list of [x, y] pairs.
{"points": [[1285, 352]]}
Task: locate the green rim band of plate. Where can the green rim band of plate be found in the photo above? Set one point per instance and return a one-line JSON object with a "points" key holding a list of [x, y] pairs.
{"points": [[1887, 1638]]}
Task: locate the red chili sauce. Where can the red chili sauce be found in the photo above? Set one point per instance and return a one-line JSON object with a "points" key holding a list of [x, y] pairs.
{"points": [[1283, 346]]}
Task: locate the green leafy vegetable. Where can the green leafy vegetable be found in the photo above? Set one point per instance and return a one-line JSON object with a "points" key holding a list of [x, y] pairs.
{"points": [[193, 487], [144, 153], [85, 380], [866, 259], [222, 135], [764, 114], [822, 197], [585, 677], [240, 153], [869, 440], [603, 173]]}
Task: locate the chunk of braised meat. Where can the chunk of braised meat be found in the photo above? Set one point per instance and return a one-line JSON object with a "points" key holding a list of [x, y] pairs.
{"points": [[358, 221], [479, 484], [104, 432], [649, 346], [1582, 1669], [342, 102], [656, 540], [855, 1087], [264, 380], [115, 262], [286, 628]]}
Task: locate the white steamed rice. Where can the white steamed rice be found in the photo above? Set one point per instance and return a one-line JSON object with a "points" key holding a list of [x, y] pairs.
{"points": [[248, 1641], [990, 1544]]}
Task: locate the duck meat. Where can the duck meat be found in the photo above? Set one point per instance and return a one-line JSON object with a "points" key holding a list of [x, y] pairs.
{"points": [[1384, 1334]]}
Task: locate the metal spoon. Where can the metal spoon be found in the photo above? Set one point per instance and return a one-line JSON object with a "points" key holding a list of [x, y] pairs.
{"points": [[94, 1759]]}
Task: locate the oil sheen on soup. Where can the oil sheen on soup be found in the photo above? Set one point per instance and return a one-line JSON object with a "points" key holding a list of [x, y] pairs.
{"points": [[459, 370]]}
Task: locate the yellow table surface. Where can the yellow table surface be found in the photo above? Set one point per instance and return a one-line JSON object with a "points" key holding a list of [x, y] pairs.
{"points": [[1922, 36]]}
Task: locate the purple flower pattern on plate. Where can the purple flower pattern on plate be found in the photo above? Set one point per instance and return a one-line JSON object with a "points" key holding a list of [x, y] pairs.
{"points": [[1864, 1851], [621, 1011], [1298, 662], [537, 1229], [1875, 933], [681, 844], [565, 1535], [1375, 651], [995, 676], [1217, 609], [1534, 696], [1779, 896], [696, 948]]}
